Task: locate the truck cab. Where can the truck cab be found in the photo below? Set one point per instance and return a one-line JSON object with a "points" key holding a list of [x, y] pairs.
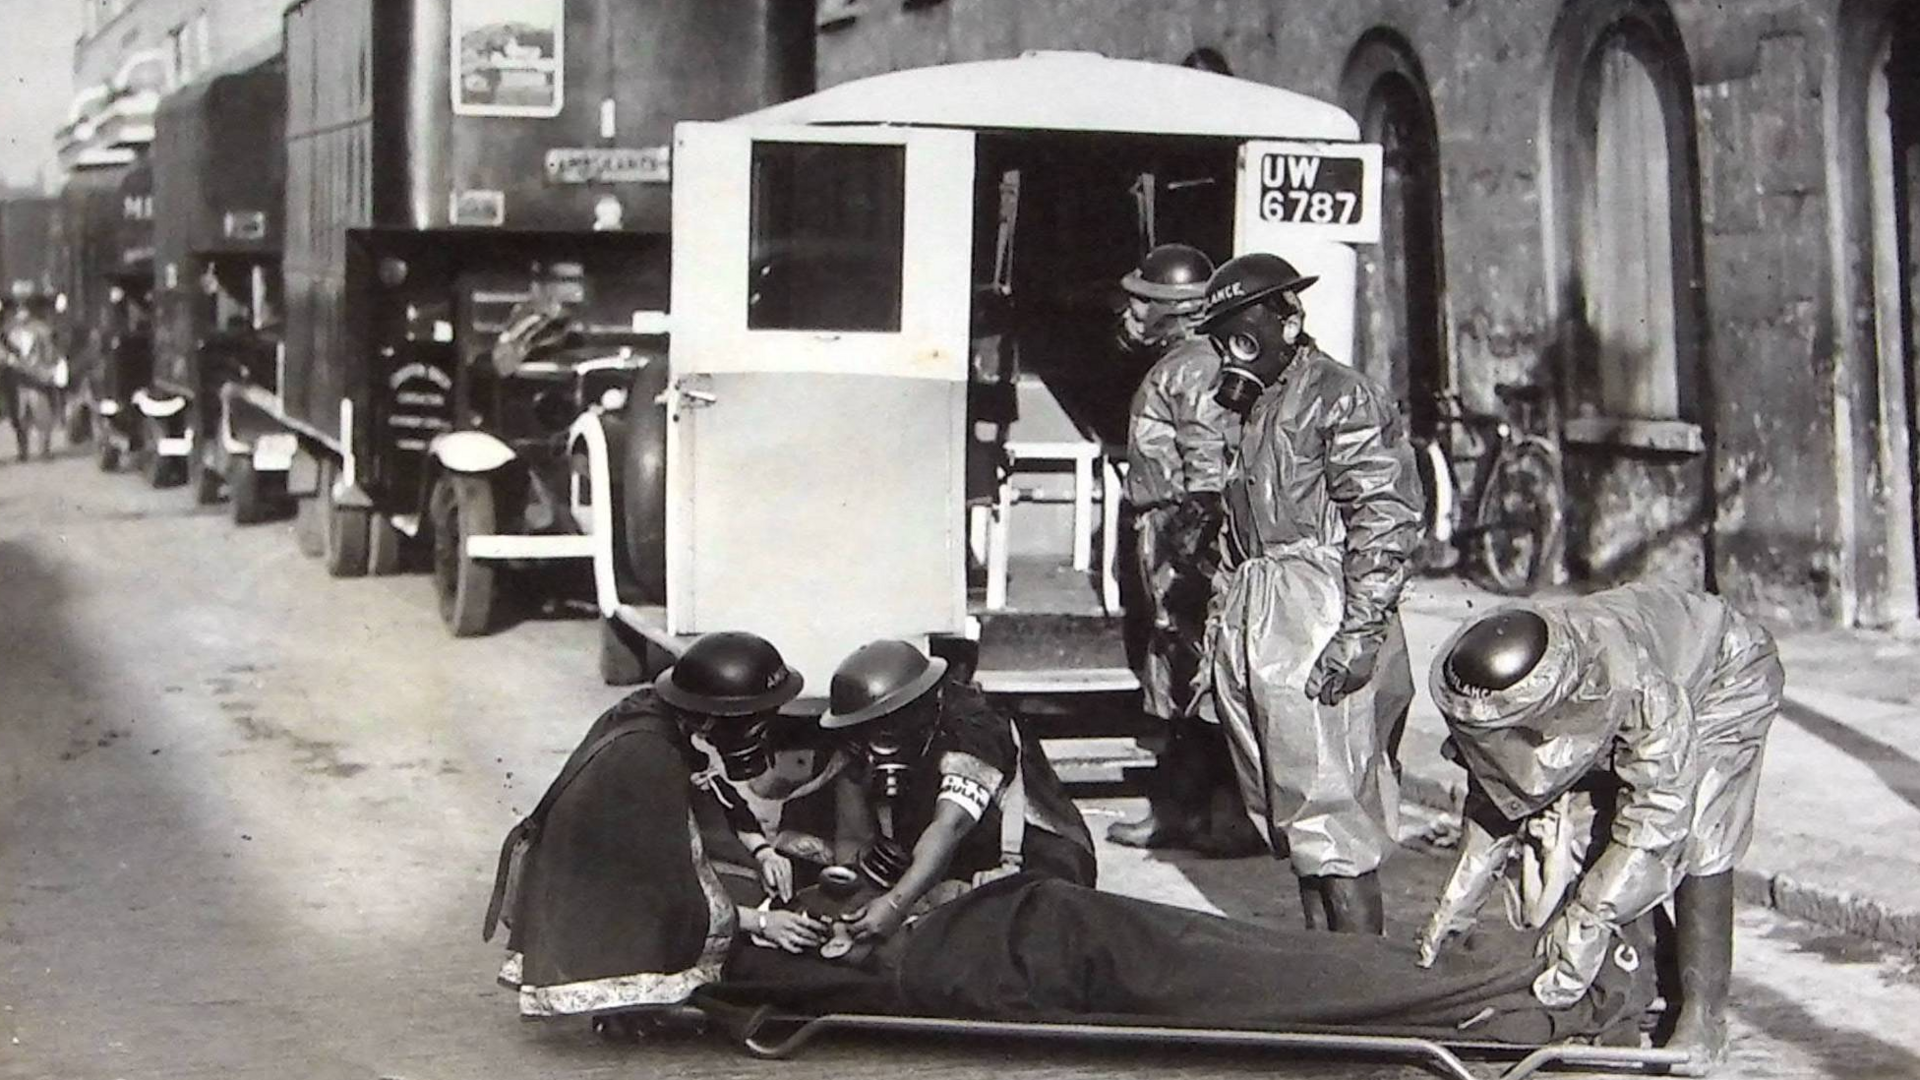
{"points": [[893, 405]]}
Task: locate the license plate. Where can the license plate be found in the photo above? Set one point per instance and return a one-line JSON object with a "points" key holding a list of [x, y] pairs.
{"points": [[609, 165], [1329, 191]]}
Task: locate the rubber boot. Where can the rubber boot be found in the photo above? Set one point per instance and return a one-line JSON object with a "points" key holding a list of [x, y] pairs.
{"points": [[1173, 817], [1313, 902], [1355, 905], [1703, 932]]}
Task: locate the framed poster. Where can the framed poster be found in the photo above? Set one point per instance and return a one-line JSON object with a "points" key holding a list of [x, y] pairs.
{"points": [[509, 57]]}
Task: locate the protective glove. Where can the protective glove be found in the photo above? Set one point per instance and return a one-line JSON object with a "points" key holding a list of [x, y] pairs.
{"points": [[1575, 946], [1624, 883], [776, 872], [1194, 528], [1483, 855], [1344, 666]]}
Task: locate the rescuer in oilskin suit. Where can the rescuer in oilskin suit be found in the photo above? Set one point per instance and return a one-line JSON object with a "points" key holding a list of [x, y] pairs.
{"points": [[959, 791], [1658, 697], [1310, 665], [1177, 438]]}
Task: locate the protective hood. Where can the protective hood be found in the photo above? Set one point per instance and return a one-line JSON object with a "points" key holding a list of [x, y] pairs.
{"points": [[1529, 743]]}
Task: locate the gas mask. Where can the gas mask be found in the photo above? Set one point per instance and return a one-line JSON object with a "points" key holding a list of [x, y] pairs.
{"points": [[1147, 325], [741, 742], [891, 751], [1256, 347]]}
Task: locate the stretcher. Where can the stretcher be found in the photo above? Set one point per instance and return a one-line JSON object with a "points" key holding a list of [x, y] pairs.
{"points": [[771, 1034]]}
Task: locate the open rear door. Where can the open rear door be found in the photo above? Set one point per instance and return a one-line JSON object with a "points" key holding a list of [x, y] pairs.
{"points": [[821, 291]]}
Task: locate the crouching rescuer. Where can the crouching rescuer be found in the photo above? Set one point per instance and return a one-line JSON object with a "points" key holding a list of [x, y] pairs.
{"points": [[960, 796], [1177, 437], [1310, 665], [1656, 701]]}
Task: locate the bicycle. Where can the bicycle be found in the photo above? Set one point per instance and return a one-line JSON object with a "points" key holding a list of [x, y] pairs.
{"points": [[1503, 523]]}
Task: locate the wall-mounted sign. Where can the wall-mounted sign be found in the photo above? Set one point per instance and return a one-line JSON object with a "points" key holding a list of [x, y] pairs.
{"points": [[478, 208], [609, 165], [245, 225], [508, 57], [1327, 191]]}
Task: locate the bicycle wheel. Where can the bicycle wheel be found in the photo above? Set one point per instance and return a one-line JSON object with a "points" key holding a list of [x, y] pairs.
{"points": [[1518, 520]]}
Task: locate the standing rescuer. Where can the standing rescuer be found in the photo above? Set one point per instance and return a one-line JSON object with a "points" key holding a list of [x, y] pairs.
{"points": [[1177, 438], [1310, 665], [1664, 697]]}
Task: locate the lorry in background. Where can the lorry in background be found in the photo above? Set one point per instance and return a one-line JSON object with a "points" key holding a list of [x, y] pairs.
{"points": [[219, 164], [476, 254]]}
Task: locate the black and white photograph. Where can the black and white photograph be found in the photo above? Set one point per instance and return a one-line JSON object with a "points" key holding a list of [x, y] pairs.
{"points": [[848, 539]]}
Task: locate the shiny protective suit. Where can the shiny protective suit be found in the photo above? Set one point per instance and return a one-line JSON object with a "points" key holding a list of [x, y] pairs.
{"points": [[1176, 446], [1324, 510], [1667, 691]]}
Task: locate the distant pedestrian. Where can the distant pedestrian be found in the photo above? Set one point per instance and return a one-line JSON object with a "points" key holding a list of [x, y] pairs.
{"points": [[1662, 698], [32, 380]]}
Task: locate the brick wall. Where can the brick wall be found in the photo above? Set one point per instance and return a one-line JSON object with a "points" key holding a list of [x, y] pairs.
{"points": [[1774, 514]]}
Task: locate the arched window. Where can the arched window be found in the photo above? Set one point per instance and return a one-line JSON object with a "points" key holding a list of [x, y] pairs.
{"points": [[1625, 189], [1401, 341]]}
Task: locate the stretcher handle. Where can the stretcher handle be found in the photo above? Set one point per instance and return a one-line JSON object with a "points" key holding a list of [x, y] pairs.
{"points": [[1599, 1057], [1433, 1053]]}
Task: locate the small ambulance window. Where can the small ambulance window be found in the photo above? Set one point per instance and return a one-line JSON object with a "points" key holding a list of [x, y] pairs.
{"points": [[826, 227]]}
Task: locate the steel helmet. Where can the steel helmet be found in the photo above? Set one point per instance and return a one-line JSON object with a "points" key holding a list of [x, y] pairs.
{"points": [[1247, 280], [879, 678], [729, 674], [1497, 651], [1170, 273]]}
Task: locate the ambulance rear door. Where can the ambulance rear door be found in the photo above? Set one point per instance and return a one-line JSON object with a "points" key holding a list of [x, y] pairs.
{"points": [[821, 291]]}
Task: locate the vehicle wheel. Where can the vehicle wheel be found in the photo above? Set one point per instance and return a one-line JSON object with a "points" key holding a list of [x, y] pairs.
{"points": [[246, 492], [309, 530], [386, 548], [462, 506], [202, 477], [627, 658], [1435, 555], [1517, 524], [345, 529]]}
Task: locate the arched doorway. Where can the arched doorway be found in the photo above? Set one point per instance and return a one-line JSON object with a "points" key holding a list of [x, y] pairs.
{"points": [[1627, 348], [1892, 152], [1401, 340]]}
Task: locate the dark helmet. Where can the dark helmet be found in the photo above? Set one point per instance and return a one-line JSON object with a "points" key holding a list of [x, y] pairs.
{"points": [[1170, 273], [1245, 281], [1496, 652], [729, 674], [879, 678]]}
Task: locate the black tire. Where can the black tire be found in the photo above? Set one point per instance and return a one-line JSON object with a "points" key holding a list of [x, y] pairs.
{"points": [[345, 546], [462, 506], [627, 658], [386, 548], [639, 483], [247, 492], [1518, 521], [202, 478]]}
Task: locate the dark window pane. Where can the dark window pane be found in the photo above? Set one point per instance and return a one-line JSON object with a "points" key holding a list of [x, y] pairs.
{"points": [[826, 233]]}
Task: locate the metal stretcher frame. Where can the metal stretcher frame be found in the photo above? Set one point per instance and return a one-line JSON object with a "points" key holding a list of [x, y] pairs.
{"points": [[763, 1039]]}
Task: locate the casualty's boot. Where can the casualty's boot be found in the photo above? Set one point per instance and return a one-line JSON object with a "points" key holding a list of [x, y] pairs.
{"points": [[1354, 904], [1173, 818], [1703, 932]]}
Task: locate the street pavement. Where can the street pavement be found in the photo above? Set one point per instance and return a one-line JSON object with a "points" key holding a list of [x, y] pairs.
{"points": [[248, 818]]}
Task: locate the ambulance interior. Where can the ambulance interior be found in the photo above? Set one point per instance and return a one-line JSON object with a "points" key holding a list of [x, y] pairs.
{"points": [[1060, 218]]}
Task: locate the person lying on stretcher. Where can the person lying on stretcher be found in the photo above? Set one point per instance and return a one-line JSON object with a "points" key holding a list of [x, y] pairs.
{"points": [[1037, 949]]}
